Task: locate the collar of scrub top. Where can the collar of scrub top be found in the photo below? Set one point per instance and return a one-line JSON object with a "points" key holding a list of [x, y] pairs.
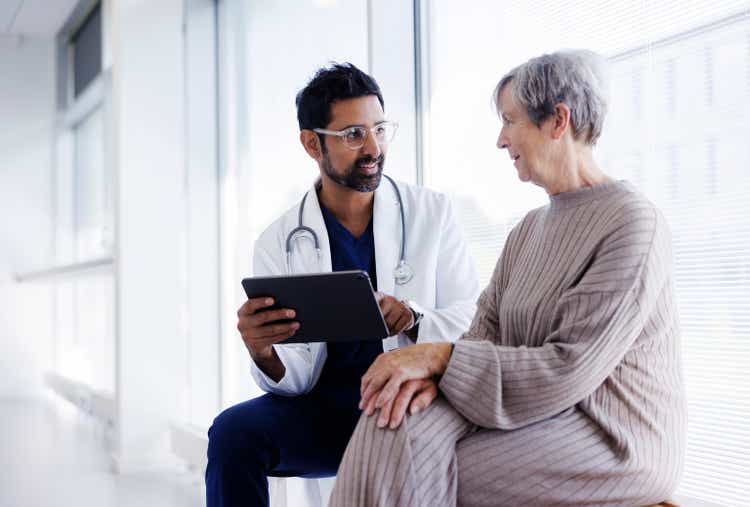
{"points": [[387, 232]]}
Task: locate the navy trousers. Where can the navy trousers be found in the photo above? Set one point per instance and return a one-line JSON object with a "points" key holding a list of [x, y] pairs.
{"points": [[278, 436]]}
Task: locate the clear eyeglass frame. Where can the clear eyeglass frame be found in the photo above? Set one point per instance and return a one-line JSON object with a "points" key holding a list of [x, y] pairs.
{"points": [[354, 137]]}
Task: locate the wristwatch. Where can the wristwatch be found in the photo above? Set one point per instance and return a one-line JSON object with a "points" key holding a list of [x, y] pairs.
{"points": [[415, 314]]}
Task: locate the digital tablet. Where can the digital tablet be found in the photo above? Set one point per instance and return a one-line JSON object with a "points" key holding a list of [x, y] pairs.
{"points": [[331, 307]]}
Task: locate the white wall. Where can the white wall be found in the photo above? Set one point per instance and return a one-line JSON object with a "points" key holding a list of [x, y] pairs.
{"points": [[148, 108], [202, 239], [166, 267], [26, 122]]}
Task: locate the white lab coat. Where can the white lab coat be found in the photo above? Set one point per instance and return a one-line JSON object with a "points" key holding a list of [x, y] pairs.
{"points": [[444, 288]]}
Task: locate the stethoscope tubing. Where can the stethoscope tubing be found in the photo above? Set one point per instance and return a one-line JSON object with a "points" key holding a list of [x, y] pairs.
{"points": [[403, 270]]}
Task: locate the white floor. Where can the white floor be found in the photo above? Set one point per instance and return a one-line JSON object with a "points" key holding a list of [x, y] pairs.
{"points": [[51, 456]]}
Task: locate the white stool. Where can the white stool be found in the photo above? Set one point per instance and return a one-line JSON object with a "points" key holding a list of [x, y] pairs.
{"points": [[299, 492]]}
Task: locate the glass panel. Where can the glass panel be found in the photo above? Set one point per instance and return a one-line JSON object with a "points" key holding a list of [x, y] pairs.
{"points": [[87, 51], [92, 204]]}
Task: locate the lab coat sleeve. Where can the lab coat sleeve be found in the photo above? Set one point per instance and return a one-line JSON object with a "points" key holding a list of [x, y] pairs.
{"points": [[301, 360], [457, 286]]}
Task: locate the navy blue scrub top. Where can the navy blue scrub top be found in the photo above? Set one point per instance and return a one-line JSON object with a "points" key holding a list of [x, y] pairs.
{"points": [[347, 362]]}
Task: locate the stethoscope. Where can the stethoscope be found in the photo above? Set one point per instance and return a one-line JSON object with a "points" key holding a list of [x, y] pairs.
{"points": [[402, 273]]}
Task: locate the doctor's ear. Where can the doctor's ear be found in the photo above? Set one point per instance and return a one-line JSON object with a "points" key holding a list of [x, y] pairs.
{"points": [[311, 142]]}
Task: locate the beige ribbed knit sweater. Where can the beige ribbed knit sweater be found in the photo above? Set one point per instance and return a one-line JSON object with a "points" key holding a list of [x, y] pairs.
{"points": [[566, 390]]}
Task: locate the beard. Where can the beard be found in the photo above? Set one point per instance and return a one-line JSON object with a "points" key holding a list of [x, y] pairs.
{"points": [[353, 177]]}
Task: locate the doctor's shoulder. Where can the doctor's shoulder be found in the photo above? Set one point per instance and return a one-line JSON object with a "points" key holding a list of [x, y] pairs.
{"points": [[273, 237], [425, 200]]}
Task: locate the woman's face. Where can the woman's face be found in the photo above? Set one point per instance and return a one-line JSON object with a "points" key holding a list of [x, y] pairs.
{"points": [[528, 146]]}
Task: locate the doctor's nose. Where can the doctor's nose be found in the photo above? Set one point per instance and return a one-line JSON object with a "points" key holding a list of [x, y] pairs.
{"points": [[371, 146]]}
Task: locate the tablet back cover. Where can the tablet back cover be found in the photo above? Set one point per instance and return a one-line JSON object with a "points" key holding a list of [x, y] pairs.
{"points": [[339, 306]]}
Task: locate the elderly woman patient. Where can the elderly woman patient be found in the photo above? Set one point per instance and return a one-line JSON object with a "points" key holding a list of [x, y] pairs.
{"points": [[567, 388]]}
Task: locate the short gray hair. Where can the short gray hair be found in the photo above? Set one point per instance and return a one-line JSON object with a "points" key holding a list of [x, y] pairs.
{"points": [[573, 77]]}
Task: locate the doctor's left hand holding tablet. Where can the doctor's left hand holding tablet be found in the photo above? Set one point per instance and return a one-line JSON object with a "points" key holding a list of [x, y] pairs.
{"points": [[398, 317], [259, 333]]}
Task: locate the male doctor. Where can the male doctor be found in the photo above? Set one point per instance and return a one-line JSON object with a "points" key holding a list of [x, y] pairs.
{"points": [[302, 426]]}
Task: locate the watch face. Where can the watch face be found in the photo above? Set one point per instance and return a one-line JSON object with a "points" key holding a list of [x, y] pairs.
{"points": [[417, 316]]}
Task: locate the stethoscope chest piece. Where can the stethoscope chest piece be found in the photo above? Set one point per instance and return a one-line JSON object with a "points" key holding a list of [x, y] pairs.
{"points": [[403, 273]]}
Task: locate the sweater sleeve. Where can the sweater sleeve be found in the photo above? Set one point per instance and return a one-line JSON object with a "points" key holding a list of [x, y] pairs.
{"points": [[596, 321]]}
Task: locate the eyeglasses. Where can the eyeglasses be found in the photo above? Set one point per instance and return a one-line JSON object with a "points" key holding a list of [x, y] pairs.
{"points": [[354, 137]]}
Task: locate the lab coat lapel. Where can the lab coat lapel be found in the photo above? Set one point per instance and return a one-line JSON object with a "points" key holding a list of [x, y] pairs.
{"points": [[387, 232], [312, 217]]}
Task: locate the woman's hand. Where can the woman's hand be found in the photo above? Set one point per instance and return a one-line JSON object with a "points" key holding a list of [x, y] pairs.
{"points": [[414, 396], [384, 382]]}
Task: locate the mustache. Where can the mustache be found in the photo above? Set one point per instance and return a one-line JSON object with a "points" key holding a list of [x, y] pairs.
{"points": [[369, 160]]}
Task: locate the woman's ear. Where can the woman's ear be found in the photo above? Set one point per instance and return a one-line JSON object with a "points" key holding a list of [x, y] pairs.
{"points": [[562, 120], [311, 142]]}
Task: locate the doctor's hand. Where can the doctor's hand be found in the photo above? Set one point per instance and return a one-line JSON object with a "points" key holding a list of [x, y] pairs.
{"points": [[258, 327], [382, 384], [398, 317]]}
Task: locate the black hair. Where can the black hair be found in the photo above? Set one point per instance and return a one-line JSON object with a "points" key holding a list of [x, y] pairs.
{"points": [[340, 81]]}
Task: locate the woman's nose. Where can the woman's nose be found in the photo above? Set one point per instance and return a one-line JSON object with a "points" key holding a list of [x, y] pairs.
{"points": [[502, 141]]}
